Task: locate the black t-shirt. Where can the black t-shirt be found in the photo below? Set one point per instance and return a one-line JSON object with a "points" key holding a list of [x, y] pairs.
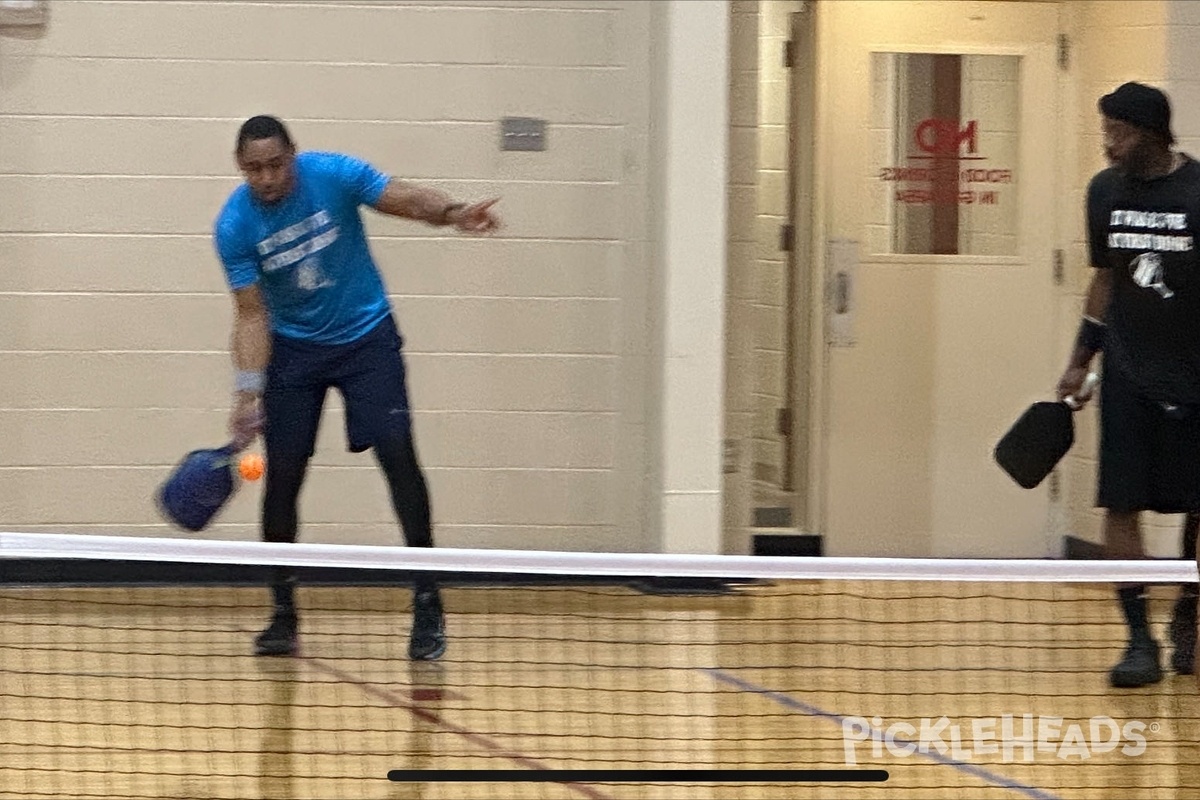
{"points": [[1147, 233]]}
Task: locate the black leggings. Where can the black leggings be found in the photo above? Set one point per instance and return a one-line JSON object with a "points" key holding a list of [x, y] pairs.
{"points": [[397, 456]]}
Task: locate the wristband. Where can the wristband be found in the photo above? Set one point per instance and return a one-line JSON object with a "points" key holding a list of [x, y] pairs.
{"points": [[1091, 334], [248, 381]]}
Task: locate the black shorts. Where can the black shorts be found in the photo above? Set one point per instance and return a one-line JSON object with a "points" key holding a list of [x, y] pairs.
{"points": [[368, 372], [1149, 452]]}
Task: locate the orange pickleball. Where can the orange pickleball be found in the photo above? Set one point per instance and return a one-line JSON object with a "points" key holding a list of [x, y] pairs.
{"points": [[251, 466]]}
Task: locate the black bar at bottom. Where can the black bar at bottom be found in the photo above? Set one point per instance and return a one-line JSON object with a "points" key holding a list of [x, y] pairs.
{"points": [[637, 775]]}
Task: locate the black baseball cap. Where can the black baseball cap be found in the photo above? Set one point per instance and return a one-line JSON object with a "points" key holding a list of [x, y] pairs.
{"points": [[1139, 105]]}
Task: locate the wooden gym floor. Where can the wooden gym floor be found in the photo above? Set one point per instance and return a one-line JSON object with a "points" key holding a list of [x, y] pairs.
{"points": [[152, 692]]}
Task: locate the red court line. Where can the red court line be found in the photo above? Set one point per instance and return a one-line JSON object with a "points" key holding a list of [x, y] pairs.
{"points": [[479, 739]]}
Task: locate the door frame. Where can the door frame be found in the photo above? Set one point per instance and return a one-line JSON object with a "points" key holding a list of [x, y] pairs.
{"points": [[802, 319]]}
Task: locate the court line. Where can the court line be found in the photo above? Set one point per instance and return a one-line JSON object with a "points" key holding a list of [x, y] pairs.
{"points": [[788, 701], [479, 739]]}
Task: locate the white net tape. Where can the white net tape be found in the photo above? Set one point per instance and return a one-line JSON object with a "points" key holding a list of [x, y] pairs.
{"points": [[537, 562]]}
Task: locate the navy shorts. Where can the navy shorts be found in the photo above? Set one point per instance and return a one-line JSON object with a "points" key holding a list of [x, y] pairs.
{"points": [[1149, 451], [368, 372]]}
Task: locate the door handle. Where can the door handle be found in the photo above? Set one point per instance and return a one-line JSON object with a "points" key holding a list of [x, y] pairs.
{"points": [[842, 265]]}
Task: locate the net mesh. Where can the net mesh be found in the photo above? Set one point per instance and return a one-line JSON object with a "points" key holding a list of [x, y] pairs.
{"points": [[129, 675]]}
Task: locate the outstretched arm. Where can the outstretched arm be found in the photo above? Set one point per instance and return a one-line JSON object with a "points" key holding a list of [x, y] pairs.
{"points": [[435, 207]]}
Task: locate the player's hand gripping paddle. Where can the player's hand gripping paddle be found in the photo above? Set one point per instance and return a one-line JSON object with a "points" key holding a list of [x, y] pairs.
{"points": [[1040, 438]]}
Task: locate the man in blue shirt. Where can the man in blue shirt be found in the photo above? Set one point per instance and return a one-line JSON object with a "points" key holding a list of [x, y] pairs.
{"points": [[312, 313]]}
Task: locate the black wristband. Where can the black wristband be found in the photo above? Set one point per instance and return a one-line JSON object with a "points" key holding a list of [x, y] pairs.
{"points": [[1091, 335]]}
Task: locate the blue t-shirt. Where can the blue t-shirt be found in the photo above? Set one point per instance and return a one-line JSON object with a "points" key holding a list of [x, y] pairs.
{"points": [[308, 253]]}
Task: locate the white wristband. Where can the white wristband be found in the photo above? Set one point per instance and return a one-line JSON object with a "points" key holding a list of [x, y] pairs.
{"points": [[248, 381]]}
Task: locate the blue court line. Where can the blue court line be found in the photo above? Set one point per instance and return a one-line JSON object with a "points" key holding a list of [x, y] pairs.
{"points": [[798, 705]]}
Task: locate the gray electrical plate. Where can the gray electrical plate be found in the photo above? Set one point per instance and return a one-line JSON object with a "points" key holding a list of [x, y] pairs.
{"points": [[522, 133]]}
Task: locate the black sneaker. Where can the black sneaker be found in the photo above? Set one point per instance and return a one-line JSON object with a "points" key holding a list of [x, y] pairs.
{"points": [[279, 638], [1139, 667], [428, 638], [1183, 636]]}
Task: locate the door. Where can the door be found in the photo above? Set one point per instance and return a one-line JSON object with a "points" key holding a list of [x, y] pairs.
{"points": [[937, 194]]}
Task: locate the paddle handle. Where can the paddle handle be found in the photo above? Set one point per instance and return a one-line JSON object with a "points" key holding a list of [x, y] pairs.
{"points": [[1075, 402]]}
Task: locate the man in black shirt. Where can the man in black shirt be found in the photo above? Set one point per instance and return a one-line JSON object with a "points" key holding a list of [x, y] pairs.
{"points": [[1143, 311]]}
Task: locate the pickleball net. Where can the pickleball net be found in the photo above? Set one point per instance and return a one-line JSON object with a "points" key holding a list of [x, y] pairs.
{"points": [[128, 672]]}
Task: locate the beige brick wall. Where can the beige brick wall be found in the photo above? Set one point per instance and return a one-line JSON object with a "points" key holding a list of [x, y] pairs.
{"points": [[526, 352]]}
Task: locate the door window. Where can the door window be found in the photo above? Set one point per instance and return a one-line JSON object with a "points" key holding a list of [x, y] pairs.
{"points": [[944, 154]]}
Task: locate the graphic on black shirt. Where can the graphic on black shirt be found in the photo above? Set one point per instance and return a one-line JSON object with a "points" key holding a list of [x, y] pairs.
{"points": [[1177, 240], [1147, 272], [1170, 235]]}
